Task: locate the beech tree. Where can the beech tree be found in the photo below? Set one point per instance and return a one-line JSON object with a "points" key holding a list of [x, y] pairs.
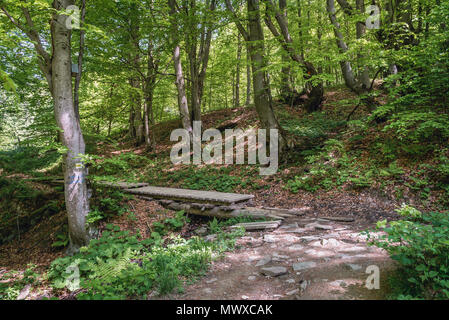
{"points": [[55, 63]]}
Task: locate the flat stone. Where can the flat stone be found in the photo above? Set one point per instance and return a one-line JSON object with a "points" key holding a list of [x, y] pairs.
{"points": [[201, 231], [274, 271], [263, 261], [24, 293], [252, 278], [245, 297], [269, 238], [310, 238], [354, 267], [186, 194], [290, 226], [290, 293], [303, 265], [328, 243], [211, 280], [295, 247], [323, 227]]}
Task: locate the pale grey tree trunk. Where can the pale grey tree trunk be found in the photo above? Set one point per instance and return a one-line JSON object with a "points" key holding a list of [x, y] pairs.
{"points": [[76, 199], [346, 68], [363, 72], [237, 72], [180, 84]]}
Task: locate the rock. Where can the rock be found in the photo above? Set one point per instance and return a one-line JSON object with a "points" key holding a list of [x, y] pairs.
{"points": [[303, 265], [210, 237], [277, 256], [323, 227], [298, 230], [354, 267], [318, 253], [269, 238], [245, 297], [309, 238], [290, 293], [263, 261], [303, 285], [328, 243], [201, 231], [24, 292], [252, 278], [211, 280], [290, 280], [274, 271], [295, 247], [207, 290]]}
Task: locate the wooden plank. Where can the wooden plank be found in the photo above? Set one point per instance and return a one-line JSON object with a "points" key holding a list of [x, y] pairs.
{"points": [[190, 195]]}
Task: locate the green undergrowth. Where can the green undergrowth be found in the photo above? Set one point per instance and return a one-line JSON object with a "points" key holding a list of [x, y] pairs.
{"points": [[419, 242], [120, 266]]}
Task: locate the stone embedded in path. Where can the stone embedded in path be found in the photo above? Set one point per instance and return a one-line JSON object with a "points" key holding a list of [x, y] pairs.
{"points": [[252, 278], [303, 265], [186, 194], [290, 293], [274, 271], [328, 243], [354, 267], [263, 261], [295, 247], [269, 238]]}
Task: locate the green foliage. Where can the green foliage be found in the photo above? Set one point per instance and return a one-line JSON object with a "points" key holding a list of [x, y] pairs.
{"points": [[328, 168], [171, 224], [420, 243], [118, 266], [12, 282], [106, 202]]}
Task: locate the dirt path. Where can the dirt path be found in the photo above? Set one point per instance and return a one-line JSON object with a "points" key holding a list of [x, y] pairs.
{"points": [[306, 258]]}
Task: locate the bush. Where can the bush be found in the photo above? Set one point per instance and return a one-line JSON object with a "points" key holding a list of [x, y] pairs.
{"points": [[420, 243]]}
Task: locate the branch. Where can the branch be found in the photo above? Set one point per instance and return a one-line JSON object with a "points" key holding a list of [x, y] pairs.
{"points": [[242, 30]]}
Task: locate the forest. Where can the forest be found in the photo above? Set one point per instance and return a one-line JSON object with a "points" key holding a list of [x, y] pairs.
{"points": [[224, 150]]}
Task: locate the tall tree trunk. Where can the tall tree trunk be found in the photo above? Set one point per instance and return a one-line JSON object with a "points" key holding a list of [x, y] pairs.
{"points": [[254, 39], [286, 90], [76, 199], [345, 65], [80, 60], [316, 91], [363, 71], [248, 78], [237, 71], [180, 84]]}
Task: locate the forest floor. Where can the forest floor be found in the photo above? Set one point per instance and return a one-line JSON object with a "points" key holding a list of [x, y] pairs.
{"points": [[322, 259]]}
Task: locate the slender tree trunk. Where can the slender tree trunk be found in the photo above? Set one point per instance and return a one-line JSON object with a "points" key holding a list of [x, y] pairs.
{"points": [[76, 199], [286, 90], [237, 71], [345, 65], [180, 84], [363, 72], [80, 60], [316, 91], [248, 78], [262, 99]]}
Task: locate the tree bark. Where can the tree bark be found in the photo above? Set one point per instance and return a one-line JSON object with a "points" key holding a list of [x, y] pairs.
{"points": [[317, 91], [254, 39], [180, 84], [77, 204], [237, 72], [80, 60]]}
